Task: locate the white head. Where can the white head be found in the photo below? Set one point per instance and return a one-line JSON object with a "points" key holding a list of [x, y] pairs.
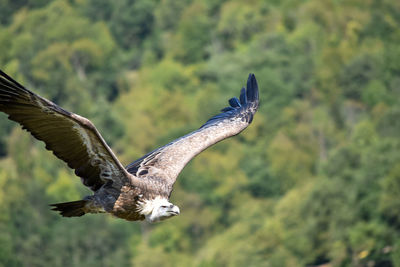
{"points": [[158, 209]]}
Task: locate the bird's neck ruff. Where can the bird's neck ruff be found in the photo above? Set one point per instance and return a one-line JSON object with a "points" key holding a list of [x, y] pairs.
{"points": [[147, 206]]}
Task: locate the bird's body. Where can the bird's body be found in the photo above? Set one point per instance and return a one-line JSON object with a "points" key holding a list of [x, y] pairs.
{"points": [[142, 189], [130, 202]]}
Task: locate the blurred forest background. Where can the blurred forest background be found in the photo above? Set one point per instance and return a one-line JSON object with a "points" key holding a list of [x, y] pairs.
{"points": [[314, 181]]}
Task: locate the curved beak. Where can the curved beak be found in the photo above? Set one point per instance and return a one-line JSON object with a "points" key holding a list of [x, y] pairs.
{"points": [[175, 210]]}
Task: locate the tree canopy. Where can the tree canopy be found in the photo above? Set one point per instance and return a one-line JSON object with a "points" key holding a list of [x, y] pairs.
{"points": [[314, 180]]}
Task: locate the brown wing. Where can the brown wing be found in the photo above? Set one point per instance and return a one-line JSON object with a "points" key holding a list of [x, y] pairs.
{"points": [[169, 160], [72, 138]]}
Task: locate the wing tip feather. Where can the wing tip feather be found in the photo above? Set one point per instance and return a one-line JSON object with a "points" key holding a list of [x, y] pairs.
{"points": [[246, 105], [7, 78], [252, 89]]}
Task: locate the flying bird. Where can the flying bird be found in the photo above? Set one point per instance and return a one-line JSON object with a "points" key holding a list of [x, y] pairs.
{"points": [[139, 191]]}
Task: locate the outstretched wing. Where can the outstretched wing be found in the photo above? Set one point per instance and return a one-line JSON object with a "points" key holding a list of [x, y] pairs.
{"points": [[72, 138], [169, 160]]}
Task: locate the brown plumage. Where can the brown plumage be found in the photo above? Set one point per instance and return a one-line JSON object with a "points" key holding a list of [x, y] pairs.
{"points": [[142, 189]]}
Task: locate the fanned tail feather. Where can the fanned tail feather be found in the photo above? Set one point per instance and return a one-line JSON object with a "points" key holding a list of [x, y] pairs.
{"points": [[71, 209]]}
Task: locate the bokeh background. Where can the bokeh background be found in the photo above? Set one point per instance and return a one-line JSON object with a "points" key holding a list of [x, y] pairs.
{"points": [[315, 180]]}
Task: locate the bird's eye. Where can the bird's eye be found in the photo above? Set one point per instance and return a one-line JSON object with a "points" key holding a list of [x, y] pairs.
{"points": [[163, 206]]}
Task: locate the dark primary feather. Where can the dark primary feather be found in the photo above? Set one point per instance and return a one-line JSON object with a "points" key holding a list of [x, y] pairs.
{"points": [[72, 138], [170, 159], [234, 102], [243, 99]]}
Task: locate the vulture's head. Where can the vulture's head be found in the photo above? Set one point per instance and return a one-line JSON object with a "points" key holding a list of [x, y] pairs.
{"points": [[159, 209]]}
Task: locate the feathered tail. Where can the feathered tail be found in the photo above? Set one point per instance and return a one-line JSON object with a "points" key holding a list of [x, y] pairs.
{"points": [[71, 209]]}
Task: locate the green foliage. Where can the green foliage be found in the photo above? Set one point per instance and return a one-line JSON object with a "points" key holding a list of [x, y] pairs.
{"points": [[132, 21], [239, 21], [194, 34], [314, 180]]}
